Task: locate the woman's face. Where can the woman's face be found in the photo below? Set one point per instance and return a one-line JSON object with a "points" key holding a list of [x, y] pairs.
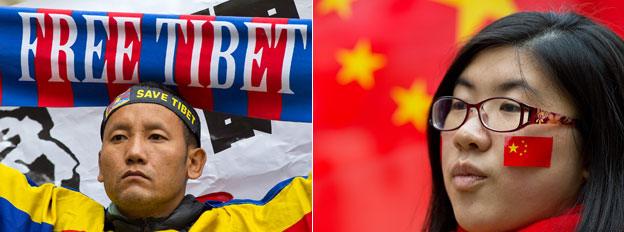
{"points": [[499, 197]]}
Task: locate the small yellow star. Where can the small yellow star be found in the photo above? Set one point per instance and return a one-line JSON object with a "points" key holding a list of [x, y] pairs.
{"points": [[341, 7], [472, 14], [513, 148], [359, 64], [412, 105]]}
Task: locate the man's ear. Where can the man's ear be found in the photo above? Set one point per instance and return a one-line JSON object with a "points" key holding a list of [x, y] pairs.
{"points": [[196, 159], [100, 177]]}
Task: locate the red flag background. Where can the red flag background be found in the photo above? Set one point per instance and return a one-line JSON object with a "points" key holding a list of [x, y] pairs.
{"points": [[376, 65]]}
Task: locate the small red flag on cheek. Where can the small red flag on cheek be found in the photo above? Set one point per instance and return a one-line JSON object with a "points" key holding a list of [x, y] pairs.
{"points": [[527, 151]]}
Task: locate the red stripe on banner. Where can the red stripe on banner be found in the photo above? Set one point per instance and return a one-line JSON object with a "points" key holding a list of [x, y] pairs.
{"points": [[52, 90], [130, 63], [218, 196], [305, 224], [196, 93], [267, 104]]}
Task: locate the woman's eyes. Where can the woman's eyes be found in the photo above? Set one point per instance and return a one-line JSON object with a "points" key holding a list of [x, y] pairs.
{"points": [[509, 107], [504, 106], [458, 105]]}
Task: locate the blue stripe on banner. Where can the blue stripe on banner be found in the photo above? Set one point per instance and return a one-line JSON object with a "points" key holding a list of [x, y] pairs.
{"points": [[20, 89], [232, 100], [268, 197], [298, 106], [13, 219], [10, 58], [153, 53], [86, 93]]}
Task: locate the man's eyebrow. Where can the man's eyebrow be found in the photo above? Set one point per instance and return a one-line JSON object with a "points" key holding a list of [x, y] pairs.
{"points": [[154, 126], [120, 126], [463, 82]]}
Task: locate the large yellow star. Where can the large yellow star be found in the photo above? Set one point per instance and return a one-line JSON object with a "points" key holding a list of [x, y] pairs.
{"points": [[472, 14], [341, 7], [513, 148], [412, 105], [359, 64]]}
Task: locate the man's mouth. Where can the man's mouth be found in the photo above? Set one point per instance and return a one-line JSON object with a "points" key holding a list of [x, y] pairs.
{"points": [[134, 173]]}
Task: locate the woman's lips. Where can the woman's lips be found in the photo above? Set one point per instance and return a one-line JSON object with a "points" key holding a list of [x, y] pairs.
{"points": [[467, 177], [467, 183]]}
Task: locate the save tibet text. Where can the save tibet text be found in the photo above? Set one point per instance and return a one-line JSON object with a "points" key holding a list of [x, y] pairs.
{"points": [[64, 36]]}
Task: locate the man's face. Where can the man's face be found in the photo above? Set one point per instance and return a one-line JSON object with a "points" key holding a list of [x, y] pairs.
{"points": [[144, 160]]}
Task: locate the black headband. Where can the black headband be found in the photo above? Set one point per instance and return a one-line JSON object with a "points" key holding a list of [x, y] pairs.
{"points": [[155, 95]]}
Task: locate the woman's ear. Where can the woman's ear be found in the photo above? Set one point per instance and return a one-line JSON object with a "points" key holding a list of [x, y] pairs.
{"points": [[196, 159]]}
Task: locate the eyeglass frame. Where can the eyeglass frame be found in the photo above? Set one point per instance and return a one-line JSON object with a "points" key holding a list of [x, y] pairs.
{"points": [[536, 116]]}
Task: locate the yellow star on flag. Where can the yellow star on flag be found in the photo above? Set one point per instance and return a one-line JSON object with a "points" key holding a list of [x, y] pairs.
{"points": [[359, 64], [472, 14], [513, 148], [341, 7], [412, 105], [526, 146]]}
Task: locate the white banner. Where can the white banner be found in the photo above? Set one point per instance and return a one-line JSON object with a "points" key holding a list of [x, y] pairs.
{"points": [[246, 156]]}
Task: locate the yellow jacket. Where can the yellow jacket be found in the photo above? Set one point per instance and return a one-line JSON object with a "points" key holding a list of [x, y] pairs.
{"points": [[25, 207]]}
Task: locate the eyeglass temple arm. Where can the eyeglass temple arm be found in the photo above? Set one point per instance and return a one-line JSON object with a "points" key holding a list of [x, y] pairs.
{"points": [[539, 116]]}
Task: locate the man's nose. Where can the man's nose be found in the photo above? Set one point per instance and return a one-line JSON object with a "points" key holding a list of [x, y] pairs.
{"points": [[136, 153], [472, 135]]}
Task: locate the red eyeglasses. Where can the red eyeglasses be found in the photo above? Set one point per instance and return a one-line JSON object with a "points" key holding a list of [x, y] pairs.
{"points": [[500, 114]]}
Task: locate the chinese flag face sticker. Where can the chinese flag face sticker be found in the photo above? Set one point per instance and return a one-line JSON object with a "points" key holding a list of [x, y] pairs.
{"points": [[527, 151]]}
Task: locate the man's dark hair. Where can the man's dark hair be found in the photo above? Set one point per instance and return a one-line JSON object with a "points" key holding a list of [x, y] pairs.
{"points": [[585, 60]]}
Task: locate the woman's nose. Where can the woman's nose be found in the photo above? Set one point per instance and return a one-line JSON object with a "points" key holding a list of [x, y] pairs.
{"points": [[472, 134]]}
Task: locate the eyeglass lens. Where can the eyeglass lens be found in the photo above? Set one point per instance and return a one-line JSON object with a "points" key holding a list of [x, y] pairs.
{"points": [[500, 114]]}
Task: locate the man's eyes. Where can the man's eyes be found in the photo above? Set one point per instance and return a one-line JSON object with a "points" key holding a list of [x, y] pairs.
{"points": [[156, 137], [117, 138], [121, 137]]}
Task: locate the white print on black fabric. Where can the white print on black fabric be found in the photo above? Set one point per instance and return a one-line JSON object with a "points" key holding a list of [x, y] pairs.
{"points": [[254, 8], [26, 144], [226, 129]]}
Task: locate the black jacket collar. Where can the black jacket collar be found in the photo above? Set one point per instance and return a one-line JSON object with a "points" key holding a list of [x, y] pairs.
{"points": [[181, 219]]}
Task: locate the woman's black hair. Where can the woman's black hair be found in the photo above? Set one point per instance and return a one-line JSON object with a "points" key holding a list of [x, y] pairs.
{"points": [[585, 60]]}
